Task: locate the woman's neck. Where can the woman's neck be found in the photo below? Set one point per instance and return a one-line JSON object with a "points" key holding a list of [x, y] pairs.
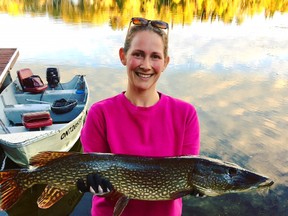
{"points": [[142, 99]]}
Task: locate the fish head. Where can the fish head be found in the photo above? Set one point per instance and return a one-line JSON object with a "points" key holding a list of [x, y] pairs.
{"points": [[214, 177]]}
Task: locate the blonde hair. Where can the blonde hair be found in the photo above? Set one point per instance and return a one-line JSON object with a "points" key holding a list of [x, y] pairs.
{"points": [[138, 28]]}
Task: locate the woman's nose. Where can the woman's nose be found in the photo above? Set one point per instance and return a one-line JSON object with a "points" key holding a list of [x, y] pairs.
{"points": [[145, 64]]}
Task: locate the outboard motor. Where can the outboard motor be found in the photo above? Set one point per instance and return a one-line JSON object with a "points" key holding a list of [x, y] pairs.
{"points": [[53, 77]]}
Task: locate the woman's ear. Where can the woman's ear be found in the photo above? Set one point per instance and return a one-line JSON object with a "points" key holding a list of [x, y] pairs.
{"points": [[122, 56], [166, 62]]}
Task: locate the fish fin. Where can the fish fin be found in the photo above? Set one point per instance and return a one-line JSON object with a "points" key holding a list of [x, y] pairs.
{"points": [[50, 196], [43, 158], [10, 189], [120, 205], [179, 194]]}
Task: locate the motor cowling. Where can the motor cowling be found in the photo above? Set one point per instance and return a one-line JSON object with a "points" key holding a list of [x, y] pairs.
{"points": [[53, 77]]}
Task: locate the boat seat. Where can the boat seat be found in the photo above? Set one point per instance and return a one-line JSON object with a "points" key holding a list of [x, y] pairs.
{"points": [[14, 112], [29, 82], [36, 120]]}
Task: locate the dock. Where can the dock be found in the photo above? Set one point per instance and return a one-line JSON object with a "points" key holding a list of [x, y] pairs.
{"points": [[8, 57]]}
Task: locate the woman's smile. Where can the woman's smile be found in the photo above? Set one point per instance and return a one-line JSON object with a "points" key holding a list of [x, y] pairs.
{"points": [[143, 75]]}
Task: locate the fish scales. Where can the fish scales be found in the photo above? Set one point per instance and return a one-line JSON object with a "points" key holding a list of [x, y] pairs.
{"points": [[138, 178], [142, 178], [149, 180]]}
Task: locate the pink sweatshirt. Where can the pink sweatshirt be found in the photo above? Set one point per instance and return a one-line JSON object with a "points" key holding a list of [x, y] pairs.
{"points": [[169, 128]]}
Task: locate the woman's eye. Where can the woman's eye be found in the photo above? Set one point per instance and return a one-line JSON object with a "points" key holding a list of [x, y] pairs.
{"points": [[137, 54], [156, 57]]}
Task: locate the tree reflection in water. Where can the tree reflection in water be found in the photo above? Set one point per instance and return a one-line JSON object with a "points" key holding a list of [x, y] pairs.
{"points": [[118, 13]]}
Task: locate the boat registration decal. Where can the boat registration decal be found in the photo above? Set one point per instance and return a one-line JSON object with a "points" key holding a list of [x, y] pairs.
{"points": [[71, 129]]}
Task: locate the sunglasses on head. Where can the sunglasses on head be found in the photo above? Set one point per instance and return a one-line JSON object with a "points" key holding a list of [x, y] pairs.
{"points": [[138, 21]]}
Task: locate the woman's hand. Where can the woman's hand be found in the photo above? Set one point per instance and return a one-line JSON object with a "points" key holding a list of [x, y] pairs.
{"points": [[95, 184]]}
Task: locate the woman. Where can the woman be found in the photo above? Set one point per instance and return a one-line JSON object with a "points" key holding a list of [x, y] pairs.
{"points": [[140, 121]]}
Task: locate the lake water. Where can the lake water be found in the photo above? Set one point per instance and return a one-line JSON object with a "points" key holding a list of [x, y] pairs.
{"points": [[229, 59]]}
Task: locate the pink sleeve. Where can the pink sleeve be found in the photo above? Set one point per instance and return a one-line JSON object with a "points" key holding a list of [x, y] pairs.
{"points": [[93, 134], [191, 145]]}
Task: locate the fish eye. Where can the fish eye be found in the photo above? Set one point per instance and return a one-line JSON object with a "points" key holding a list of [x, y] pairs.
{"points": [[232, 171]]}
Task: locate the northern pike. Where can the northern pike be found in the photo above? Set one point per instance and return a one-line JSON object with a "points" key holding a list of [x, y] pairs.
{"points": [[134, 177]]}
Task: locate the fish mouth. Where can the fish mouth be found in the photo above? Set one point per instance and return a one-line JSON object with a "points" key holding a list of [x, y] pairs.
{"points": [[266, 183], [262, 185], [255, 180]]}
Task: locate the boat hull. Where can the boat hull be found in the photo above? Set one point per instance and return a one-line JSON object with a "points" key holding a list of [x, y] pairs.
{"points": [[21, 143], [24, 148]]}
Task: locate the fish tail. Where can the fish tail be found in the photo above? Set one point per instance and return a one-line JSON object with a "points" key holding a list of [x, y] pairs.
{"points": [[10, 190]]}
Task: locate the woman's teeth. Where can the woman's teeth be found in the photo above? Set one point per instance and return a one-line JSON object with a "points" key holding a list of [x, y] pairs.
{"points": [[144, 75]]}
